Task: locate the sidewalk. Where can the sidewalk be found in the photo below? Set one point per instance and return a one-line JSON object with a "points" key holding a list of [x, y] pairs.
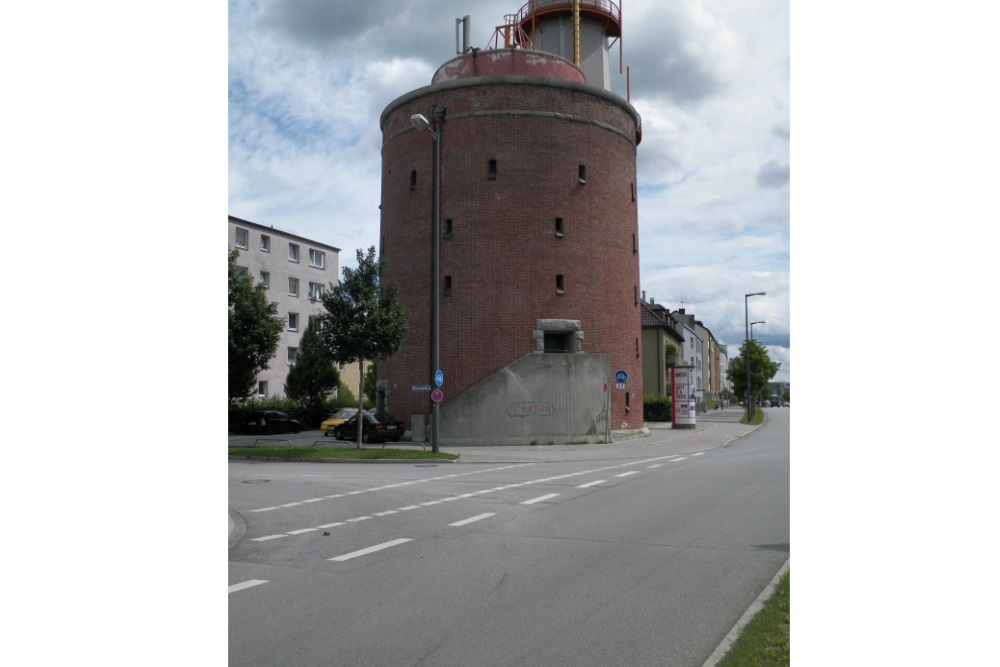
{"points": [[663, 440]]}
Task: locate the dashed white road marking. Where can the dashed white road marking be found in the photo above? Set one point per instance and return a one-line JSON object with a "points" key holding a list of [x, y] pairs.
{"points": [[478, 517], [369, 550], [464, 495], [540, 499], [391, 486], [246, 584]]}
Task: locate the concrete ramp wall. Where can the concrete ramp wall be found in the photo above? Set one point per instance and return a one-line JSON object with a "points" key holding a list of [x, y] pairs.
{"points": [[546, 398]]}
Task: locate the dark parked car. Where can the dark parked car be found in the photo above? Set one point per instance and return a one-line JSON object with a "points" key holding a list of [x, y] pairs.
{"points": [[271, 421], [375, 430]]}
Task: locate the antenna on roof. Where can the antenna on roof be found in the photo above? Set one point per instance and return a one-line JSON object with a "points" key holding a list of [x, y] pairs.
{"points": [[466, 30]]}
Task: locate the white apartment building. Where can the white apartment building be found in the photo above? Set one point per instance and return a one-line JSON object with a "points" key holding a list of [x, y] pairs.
{"points": [[297, 272]]}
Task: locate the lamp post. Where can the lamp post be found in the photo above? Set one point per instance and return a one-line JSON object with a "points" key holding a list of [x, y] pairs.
{"points": [[746, 315], [751, 327], [420, 122]]}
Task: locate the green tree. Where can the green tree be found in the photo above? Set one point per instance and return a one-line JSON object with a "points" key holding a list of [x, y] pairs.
{"points": [[313, 376], [254, 330], [762, 369], [364, 318]]}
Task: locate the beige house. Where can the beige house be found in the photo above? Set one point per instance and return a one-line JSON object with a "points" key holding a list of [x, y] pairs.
{"points": [[661, 349]]}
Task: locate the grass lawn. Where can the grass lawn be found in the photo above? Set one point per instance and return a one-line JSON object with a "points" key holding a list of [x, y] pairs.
{"points": [[765, 641], [758, 417], [347, 453]]}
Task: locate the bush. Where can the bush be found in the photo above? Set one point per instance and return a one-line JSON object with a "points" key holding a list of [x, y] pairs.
{"points": [[310, 418], [656, 408]]}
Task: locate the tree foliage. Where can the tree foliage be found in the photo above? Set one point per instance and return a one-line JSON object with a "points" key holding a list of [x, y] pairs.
{"points": [[254, 330], [364, 319], [762, 369], [313, 376]]}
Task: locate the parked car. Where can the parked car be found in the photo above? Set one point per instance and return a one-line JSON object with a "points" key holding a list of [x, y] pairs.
{"points": [[336, 419], [271, 421], [375, 430], [786, 404]]}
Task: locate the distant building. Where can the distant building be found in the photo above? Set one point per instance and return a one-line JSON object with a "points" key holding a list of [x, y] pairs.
{"points": [[661, 348], [297, 271]]}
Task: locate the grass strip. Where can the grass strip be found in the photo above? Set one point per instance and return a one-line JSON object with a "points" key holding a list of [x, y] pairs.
{"points": [[766, 639], [346, 453]]}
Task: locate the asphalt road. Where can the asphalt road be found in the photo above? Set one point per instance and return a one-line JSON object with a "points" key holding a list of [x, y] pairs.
{"points": [[639, 561]]}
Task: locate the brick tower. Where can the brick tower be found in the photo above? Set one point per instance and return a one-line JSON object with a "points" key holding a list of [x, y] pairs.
{"points": [[538, 236]]}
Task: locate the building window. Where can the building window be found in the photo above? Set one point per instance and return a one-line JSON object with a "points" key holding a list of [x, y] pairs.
{"points": [[635, 247], [560, 285], [582, 174], [293, 287], [447, 285], [262, 388], [242, 270], [265, 243], [559, 227], [493, 170], [317, 258], [628, 401], [293, 355], [242, 238], [636, 347], [265, 279], [557, 341], [341, 366], [293, 321], [413, 179], [635, 294], [315, 291], [447, 228], [631, 187], [293, 252]]}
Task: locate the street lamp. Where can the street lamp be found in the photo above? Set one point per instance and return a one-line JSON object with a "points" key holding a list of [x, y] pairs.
{"points": [[746, 315], [420, 122], [751, 327]]}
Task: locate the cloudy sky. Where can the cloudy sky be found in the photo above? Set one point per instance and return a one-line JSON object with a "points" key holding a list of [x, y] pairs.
{"points": [[308, 80]]}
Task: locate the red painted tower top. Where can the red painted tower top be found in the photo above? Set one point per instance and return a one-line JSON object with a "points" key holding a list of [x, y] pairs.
{"points": [[508, 62], [605, 12]]}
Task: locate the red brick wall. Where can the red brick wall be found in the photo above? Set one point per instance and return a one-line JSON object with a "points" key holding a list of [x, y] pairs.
{"points": [[503, 254]]}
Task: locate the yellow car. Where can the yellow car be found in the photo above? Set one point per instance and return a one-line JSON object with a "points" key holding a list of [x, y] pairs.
{"points": [[336, 419]]}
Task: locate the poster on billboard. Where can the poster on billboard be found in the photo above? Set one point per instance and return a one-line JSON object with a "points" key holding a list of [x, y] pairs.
{"points": [[683, 403]]}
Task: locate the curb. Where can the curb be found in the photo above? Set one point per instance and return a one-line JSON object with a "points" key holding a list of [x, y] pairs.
{"points": [[727, 642]]}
